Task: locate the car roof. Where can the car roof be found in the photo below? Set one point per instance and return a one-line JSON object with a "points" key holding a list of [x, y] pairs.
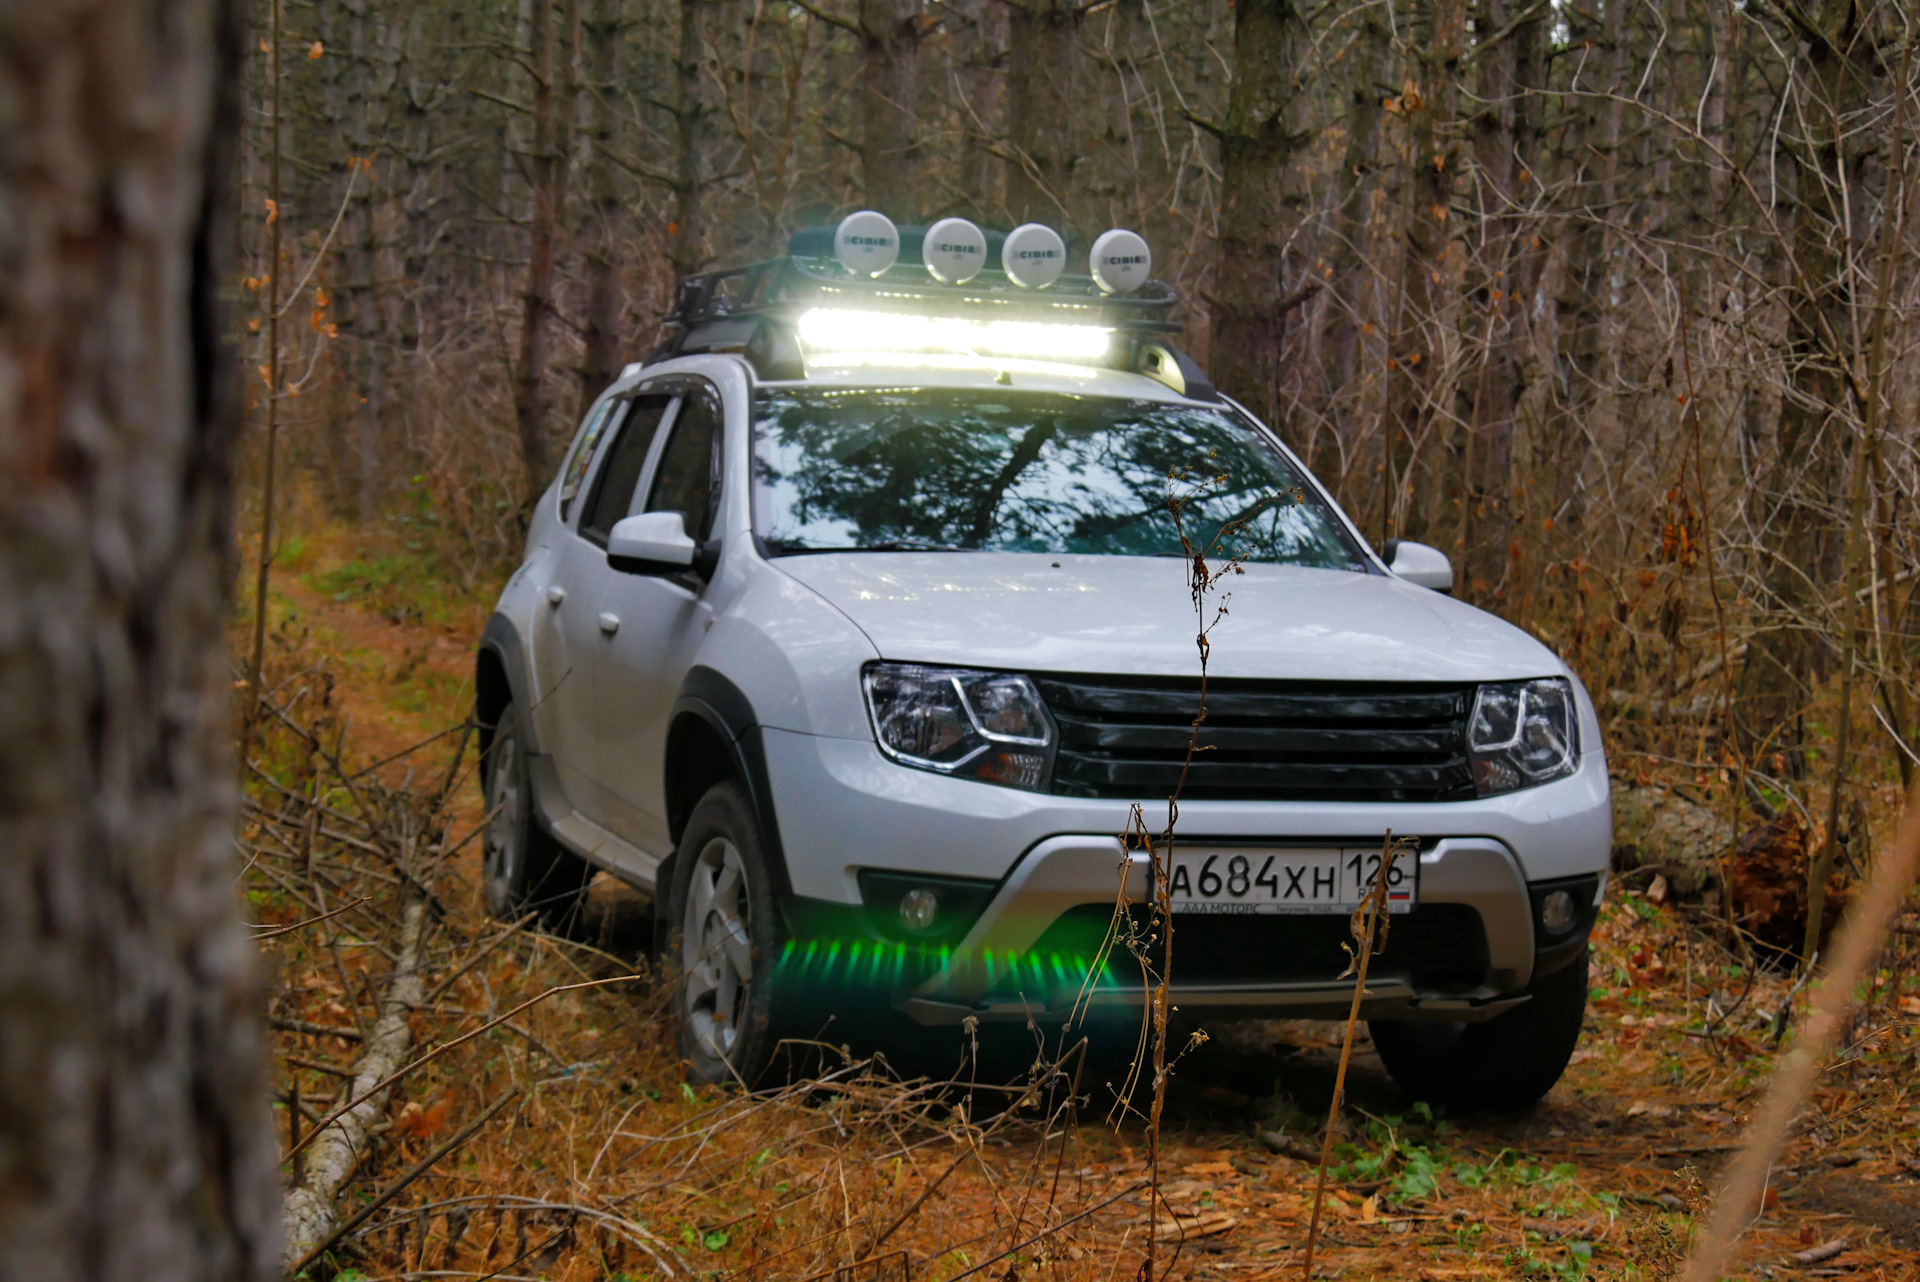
{"points": [[1020, 375]]}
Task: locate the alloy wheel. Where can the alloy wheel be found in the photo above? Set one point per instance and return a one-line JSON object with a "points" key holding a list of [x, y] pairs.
{"points": [[504, 851], [717, 947]]}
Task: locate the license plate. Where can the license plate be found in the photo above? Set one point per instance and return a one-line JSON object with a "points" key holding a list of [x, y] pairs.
{"points": [[1230, 880]]}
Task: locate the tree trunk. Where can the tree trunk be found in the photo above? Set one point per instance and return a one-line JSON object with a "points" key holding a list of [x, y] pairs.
{"points": [[1261, 203], [978, 40], [1506, 152], [889, 96], [1351, 305], [135, 1141], [366, 404], [1801, 527], [605, 300], [552, 121], [687, 232], [1043, 63], [1427, 267]]}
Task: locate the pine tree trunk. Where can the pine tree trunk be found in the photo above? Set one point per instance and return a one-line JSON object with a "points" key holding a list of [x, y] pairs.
{"points": [[135, 1140], [552, 127], [1506, 152], [1261, 203], [1427, 268], [687, 231], [978, 38], [889, 95], [1802, 531], [600, 66], [1351, 309], [1043, 64]]}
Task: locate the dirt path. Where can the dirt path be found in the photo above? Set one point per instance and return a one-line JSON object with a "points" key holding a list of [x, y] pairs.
{"points": [[1607, 1173]]}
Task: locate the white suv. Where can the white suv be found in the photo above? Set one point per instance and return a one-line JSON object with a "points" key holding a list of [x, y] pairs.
{"points": [[856, 619]]}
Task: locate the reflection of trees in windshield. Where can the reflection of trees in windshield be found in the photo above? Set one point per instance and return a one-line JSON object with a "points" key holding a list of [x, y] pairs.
{"points": [[1012, 473]]}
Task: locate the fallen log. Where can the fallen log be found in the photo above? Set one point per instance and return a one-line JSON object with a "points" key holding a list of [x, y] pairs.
{"points": [[333, 1154]]}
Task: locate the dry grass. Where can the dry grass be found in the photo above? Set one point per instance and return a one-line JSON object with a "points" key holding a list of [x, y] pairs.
{"points": [[607, 1163]]}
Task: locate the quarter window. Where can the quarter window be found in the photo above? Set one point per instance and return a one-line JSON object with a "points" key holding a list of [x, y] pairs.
{"points": [[620, 474], [575, 471], [688, 479]]}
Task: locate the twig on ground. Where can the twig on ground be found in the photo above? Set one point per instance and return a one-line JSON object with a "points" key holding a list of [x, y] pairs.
{"points": [[311, 921]]}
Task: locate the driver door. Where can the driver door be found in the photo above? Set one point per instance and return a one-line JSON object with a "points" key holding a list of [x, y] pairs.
{"points": [[581, 575], [659, 622]]}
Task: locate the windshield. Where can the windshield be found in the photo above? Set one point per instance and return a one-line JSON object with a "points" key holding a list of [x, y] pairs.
{"points": [[914, 470]]}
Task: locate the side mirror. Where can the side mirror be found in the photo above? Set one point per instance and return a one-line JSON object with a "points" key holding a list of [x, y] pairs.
{"points": [[1418, 564], [650, 542]]}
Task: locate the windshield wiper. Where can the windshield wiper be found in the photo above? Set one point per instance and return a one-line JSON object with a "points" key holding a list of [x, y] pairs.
{"points": [[911, 545], [888, 545]]}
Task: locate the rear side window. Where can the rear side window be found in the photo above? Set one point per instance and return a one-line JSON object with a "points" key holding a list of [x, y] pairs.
{"points": [[613, 488], [575, 471], [688, 480]]}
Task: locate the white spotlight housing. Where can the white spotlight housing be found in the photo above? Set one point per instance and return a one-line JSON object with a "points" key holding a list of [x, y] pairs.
{"points": [[1120, 261], [954, 251], [866, 243], [1033, 256]]}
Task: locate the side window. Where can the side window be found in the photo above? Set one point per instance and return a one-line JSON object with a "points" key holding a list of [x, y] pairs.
{"points": [[688, 478], [613, 489], [577, 463]]}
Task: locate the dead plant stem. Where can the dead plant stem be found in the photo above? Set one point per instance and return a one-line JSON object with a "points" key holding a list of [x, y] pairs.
{"points": [[1861, 936], [1371, 908]]}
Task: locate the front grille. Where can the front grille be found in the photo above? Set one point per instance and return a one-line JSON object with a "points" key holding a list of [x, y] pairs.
{"points": [[1262, 740], [1435, 948]]}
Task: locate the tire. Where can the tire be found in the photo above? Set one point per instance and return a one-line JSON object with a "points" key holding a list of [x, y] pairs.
{"points": [[1503, 1065], [725, 932], [522, 868]]}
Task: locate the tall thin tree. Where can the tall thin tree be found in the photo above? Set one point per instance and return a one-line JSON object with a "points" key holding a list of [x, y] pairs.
{"points": [[135, 1141]]}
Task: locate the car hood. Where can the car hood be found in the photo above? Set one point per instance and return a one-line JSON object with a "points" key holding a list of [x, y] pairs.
{"points": [[1134, 616]]}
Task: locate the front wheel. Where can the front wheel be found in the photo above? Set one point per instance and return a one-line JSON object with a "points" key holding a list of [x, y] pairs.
{"points": [[1505, 1064], [729, 941]]}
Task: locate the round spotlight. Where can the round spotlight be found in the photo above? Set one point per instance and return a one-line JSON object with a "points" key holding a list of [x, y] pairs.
{"points": [[954, 251], [1033, 256], [866, 243], [1557, 912], [918, 909], [1121, 261]]}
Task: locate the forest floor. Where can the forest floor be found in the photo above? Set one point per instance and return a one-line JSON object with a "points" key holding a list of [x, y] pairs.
{"points": [[611, 1166]]}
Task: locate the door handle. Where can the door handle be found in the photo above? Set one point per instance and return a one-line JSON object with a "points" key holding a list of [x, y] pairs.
{"points": [[609, 623], [556, 594]]}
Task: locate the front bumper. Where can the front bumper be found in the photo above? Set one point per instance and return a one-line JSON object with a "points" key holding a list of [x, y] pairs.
{"points": [[1050, 859]]}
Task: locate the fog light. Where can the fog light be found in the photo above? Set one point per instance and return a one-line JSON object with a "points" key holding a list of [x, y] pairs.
{"points": [[918, 908], [1556, 912]]}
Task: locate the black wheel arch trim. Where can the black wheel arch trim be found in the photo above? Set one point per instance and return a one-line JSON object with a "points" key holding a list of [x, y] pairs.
{"points": [[712, 698], [502, 641]]}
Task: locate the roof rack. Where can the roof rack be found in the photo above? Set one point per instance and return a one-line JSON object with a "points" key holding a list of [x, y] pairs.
{"points": [[752, 309]]}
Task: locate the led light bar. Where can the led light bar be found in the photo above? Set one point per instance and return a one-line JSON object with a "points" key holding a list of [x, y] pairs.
{"points": [[845, 330]]}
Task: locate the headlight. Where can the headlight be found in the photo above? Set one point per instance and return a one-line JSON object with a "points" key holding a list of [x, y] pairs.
{"points": [[1523, 733], [979, 725]]}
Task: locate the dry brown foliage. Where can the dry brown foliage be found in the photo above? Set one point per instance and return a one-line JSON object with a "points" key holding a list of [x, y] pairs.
{"points": [[605, 1163]]}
